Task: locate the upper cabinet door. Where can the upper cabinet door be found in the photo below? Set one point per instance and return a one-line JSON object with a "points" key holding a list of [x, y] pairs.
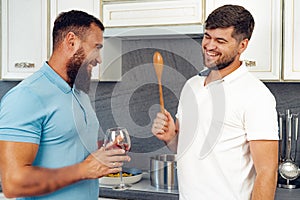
{"points": [[24, 37], [263, 55], [118, 13], [291, 63], [90, 6]]}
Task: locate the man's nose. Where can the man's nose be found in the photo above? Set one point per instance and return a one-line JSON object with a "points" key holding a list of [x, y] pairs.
{"points": [[99, 58], [96, 58], [209, 44]]}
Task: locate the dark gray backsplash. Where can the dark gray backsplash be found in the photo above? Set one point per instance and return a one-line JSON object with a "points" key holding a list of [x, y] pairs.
{"points": [[133, 102]]}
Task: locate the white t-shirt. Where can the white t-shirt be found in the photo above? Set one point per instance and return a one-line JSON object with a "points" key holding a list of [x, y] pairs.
{"points": [[216, 122]]}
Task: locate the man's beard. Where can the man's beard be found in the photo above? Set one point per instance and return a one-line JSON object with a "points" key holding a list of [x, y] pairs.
{"points": [[221, 65], [77, 71]]}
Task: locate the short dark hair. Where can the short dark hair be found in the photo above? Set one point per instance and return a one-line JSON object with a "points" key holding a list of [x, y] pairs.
{"points": [[75, 21], [232, 16]]}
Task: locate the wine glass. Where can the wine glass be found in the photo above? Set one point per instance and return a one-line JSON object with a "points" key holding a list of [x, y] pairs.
{"points": [[118, 138]]}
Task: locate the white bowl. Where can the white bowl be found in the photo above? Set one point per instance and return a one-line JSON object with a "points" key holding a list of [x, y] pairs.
{"points": [[136, 177]]}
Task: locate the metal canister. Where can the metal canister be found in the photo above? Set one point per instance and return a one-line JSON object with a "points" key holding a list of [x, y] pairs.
{"points": [[163, 171]]}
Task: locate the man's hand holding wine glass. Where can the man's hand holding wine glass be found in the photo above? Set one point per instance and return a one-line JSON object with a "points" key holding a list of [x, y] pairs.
{"points": [[104, 161]]}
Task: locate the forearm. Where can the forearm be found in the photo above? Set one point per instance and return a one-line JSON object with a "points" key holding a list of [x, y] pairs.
{"points": [[265, 186], [34, 181], [172, 144]]}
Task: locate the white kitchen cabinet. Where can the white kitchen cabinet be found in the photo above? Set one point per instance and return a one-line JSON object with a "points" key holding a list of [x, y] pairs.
{"points": [[264, 52], [291, 40], [23, 37], [26, 36], [57, 6], [118, 13]]}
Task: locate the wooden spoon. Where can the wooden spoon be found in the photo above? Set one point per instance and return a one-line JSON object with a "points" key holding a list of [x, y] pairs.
{"points": [[158, 63]]}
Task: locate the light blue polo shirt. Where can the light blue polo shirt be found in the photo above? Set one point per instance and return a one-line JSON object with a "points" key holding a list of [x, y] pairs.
{"points": [[45, 110]]}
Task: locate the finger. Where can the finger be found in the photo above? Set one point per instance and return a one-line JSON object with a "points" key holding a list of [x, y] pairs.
{"points": [[161, 136], [108, 152], [161, 126], [156, 130], [164, 123], [114, 170], [116, 164], [101, 148], [167, 113], [161, 116], [109, 145], [113, 152], [108, 155], [120, 158], [158, 121]]}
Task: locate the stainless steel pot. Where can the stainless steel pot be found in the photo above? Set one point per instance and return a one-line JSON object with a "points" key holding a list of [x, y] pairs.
{"points": [[163, 171]]}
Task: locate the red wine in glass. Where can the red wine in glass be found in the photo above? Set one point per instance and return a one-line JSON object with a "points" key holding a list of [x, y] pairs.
{"points": [[124, 146]]}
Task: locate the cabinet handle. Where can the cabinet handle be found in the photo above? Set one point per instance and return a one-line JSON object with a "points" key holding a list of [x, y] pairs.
{"points": [[250, 63], [24, 65]]}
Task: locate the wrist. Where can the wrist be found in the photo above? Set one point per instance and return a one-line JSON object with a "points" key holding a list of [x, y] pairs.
{"points": [[172, 143], [80, 171]]}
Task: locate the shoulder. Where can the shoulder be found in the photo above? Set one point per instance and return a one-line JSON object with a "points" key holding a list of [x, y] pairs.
{"points": [[255, 92], [256, 86], [249, 85], [25, 92], [20, 98]]}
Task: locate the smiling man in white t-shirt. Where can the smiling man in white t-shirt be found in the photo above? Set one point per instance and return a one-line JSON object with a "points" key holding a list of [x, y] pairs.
{"points": [[226, 128]]}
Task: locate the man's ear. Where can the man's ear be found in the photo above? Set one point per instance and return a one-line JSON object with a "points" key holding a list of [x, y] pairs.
{"points": [[243, 45], [71, 40]]}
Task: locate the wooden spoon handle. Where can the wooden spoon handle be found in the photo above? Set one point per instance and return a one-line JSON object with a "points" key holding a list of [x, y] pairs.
{"points": [[161, 99]]}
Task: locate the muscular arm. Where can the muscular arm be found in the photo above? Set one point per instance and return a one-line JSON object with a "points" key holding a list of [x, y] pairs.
{"points": [[265, 158], [20, 178]]}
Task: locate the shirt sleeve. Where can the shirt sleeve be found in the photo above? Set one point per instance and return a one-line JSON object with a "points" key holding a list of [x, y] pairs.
{"points": [[20, 116], [261, 118]]}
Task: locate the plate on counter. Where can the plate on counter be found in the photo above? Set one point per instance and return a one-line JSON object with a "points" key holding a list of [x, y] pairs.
{"points": [[136, 176]]}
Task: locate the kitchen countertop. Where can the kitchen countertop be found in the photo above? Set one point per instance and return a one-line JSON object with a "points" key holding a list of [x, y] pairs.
{"points": [[143, 190]]}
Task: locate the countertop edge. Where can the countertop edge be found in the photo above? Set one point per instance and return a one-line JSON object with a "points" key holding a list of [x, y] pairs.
{"points": [[136, 194]]}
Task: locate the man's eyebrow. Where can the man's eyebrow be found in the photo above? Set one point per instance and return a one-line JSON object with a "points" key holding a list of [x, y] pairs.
{"points": [[219, 38], [206, 34]]}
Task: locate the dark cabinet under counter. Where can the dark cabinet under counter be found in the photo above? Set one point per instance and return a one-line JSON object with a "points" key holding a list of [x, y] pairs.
{"points": [[144, 191], [287, 194]]}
